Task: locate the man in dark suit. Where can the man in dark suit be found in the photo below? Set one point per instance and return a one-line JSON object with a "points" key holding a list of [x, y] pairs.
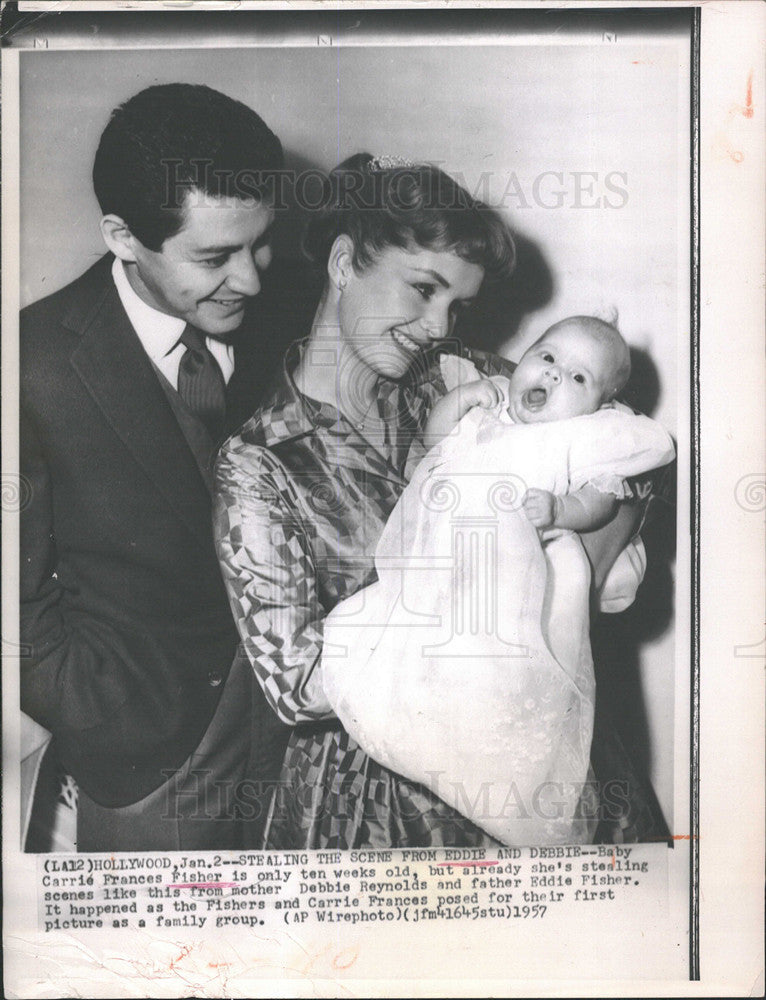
{"points": [[130, 378]]}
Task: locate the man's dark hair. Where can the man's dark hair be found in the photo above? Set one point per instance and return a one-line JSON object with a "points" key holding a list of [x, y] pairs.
{"points": [[170, 139]]}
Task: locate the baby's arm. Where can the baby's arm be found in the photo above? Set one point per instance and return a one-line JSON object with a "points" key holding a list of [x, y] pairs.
{"points": [[584, 510], [452, 407]]}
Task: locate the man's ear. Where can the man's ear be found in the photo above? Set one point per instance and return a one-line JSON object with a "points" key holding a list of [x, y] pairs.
{"points": [[340, 263], [118, 238]]}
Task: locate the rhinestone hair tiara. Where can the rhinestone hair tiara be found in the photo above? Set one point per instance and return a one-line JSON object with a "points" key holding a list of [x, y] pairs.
{"points": [[386, 162]]}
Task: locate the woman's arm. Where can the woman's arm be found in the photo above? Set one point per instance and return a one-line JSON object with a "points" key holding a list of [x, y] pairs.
{"points": [[607, 542], [268, 569]]}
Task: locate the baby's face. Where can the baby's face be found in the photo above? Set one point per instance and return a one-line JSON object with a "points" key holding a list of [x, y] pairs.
{"points": [[564, 374]]}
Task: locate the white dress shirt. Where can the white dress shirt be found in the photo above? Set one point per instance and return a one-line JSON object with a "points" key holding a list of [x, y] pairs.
{"points": [[160, 334]]}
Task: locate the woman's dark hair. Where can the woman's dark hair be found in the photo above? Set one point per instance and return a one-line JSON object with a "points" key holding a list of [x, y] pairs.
{"points": [[173, 138], [379, 204]]}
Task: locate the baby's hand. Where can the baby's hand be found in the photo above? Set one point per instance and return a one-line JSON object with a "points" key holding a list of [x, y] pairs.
{"points": [[480, 393], [453, 406], [540, 507]]}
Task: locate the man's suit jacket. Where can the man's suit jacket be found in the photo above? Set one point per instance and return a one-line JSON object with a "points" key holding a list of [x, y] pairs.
{"points": [[122, 602]]}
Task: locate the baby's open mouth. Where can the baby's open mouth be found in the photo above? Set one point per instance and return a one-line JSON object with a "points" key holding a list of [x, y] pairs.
{"points": [[535, 398]]}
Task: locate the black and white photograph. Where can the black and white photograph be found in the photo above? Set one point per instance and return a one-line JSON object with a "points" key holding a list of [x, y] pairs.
{"points": [[355, 485]]}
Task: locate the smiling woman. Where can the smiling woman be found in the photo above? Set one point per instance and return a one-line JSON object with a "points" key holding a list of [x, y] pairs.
{"points": [[379, 319], [305, 488], [404, 249]]}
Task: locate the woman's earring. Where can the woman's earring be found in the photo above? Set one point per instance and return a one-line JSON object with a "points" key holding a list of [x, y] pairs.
{"points": [[341, 284]]}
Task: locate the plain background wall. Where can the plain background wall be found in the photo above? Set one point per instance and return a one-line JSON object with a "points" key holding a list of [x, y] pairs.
{"points": [[519, 123]]}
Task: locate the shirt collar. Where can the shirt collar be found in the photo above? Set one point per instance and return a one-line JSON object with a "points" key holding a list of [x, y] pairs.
{"points": [[286, 413], [158, 332]]}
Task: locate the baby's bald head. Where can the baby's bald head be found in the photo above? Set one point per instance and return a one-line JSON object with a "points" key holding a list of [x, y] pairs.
{"points": [[609, 347], [576, 366]]}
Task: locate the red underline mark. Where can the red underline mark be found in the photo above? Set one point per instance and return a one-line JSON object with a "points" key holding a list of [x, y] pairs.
{"points": [[674, 836], [202, 885], [469, 864]]}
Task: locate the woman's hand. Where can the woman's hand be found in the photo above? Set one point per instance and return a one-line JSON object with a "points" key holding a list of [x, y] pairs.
{"points": [[451, 408]]}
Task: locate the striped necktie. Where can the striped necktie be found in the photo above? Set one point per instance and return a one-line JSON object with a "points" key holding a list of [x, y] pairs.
{"points": [[200, 382]]}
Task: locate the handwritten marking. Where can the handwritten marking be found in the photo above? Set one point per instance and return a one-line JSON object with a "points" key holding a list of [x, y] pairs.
{"points": [[747, 110], [338, 964], [313, 959], [184, 952]]}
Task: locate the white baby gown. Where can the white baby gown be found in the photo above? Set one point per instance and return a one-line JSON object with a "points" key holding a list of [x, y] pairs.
{"points": [[467, 667]]}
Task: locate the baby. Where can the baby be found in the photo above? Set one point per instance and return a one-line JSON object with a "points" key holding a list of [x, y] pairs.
{"points": [[467, 666], [576, 367]]}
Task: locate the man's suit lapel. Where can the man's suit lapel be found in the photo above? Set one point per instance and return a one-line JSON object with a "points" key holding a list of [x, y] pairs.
{"points": [[117, 373]]}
